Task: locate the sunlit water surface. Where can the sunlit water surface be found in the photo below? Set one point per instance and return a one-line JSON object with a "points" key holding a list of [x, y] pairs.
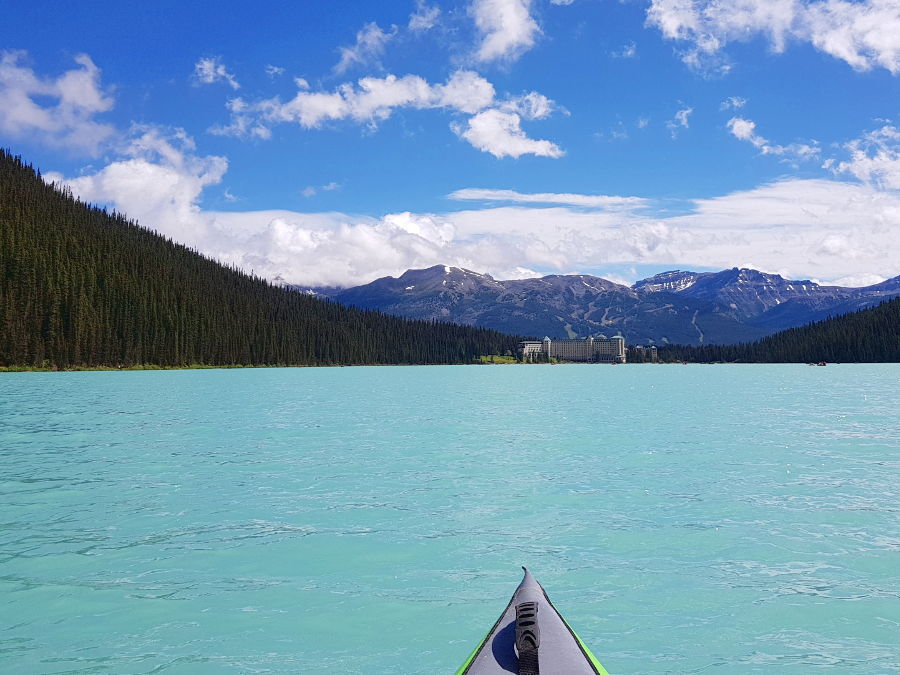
{"points": [[714, 519]]}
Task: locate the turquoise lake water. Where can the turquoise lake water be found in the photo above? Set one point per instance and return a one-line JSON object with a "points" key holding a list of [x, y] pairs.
{"points": [[702, 519]]}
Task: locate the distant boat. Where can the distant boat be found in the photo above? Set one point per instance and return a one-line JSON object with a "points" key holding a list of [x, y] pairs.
{"points": [[821, 363]]}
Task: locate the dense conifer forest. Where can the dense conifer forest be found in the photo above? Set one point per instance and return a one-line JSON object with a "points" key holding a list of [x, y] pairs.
{"points": [[870, 335], [80, 287]]}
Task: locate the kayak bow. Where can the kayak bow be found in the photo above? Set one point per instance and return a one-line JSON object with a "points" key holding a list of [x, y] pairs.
{"points": [[531, 638]]}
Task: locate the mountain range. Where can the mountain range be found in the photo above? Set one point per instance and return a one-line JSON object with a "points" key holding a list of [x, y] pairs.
{"points": [[677, 307]]}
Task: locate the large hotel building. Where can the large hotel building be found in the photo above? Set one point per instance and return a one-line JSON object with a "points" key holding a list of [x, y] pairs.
{"points": [[610, 350]]}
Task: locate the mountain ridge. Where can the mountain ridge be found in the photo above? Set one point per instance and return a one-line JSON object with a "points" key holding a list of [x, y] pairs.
{"points": [[674, 307]]}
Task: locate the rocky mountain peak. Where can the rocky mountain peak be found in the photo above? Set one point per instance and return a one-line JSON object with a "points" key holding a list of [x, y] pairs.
{"points": [[669, 282], [733, 305]]}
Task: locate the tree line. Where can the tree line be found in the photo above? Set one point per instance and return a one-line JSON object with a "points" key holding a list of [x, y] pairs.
{"points": [[869, 335], [83, 287]]}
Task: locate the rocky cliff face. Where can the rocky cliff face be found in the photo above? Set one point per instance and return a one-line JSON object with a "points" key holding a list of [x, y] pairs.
{"points": [[735, 305]]}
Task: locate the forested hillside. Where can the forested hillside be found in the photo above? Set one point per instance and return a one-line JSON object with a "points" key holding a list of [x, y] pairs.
{"points": [[80, 287], [870, 335]]}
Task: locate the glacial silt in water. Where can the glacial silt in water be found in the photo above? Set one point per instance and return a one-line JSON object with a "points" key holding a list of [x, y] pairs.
{"points": [[373, 520]]}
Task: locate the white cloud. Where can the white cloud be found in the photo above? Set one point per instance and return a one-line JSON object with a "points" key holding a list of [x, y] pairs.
{"points": [[369, 47], [500, 133], [680, 121], [465, 91], [733, 103], [158, 182], [370, 101], [506, 27], [745, 130], [210, 70], [531, 106], [68, 120], [854, 280], [311, 190], [495, 126], [681, 117], [799, 228], [629, 51], [245, 122], [274, 71], [783, 227], [864, 34], [561, 2], [424, 18], [330, 249], [874, 158], [606, 202]]}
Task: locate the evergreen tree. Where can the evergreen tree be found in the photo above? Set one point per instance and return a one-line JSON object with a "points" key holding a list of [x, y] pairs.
{"points": [[81, 287], [869, 335]]}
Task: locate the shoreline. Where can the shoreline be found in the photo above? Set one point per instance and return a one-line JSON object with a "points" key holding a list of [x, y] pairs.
{"points": [[144, 367]]}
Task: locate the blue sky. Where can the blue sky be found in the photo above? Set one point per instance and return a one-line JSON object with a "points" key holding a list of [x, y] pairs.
{"points": [[336, 142]]}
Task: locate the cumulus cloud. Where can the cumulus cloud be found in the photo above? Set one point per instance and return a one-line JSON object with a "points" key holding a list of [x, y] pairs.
{"points": [[506, 28], [67, 121], [274, 71], [370, 100], [864, 34], [210, 70], [495, 126], [874, 158], [498, 130], [500, 133], [798, 228], [369, 47], [531, 106], [424, 18], [158, 181], [745, 130]]}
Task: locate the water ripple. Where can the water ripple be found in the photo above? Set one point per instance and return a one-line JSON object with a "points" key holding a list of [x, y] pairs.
{"points": [[250, 521]]}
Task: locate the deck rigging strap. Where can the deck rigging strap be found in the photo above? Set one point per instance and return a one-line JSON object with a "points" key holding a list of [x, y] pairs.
{"points": [[528, 638]]}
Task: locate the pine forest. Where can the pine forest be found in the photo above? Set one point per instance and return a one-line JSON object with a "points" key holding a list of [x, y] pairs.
{"points": [[870, 335], [81, 287]]}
